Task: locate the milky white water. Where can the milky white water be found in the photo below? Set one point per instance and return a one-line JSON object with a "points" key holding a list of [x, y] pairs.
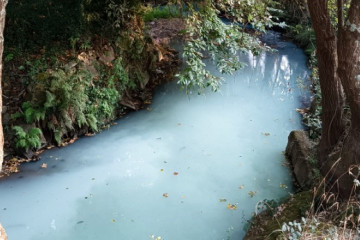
{"points": [[171, 170]]}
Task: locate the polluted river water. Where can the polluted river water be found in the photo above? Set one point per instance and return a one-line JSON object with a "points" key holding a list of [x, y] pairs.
{"points": [[188, 167]]}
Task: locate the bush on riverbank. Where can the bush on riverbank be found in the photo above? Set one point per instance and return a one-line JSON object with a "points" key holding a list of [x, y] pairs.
{"points": [[79, 82]]}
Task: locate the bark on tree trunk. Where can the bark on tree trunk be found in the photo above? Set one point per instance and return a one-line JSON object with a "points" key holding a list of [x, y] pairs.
{"points": [[2, 26], [349, 72], [349, 62], [332, 96], [3, 235]]}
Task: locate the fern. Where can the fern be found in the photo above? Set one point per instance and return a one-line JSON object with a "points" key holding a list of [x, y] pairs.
{"points": [[69, 100], [27, 140], [17, 115], [19, 132], [34, 132], [33, 114], [50, 100], [92, 122], [57, 135]]}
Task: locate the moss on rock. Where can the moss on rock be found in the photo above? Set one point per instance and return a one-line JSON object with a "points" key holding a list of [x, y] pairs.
{"points": [[266, 224]]}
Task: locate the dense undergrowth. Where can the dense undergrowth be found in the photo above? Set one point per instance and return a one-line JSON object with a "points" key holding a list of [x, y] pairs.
{"points": [[71, 67]]}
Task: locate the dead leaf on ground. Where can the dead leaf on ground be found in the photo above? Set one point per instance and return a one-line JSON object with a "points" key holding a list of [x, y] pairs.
{"points": [[73, 140]]}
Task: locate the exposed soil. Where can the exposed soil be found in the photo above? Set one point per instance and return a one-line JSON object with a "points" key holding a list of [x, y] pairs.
{"points": [[163, 30]]}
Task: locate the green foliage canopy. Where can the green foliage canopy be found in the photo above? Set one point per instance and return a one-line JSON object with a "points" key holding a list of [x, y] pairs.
{"points": [[208, 34]]}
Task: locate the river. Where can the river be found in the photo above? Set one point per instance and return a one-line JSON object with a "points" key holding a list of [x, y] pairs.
{"points": [[188, 167]]}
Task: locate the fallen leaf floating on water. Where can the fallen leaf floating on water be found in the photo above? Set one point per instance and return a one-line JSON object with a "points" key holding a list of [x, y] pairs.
{"points": [[165, 195], [231, 206], [241, 187], [176, 173], [161, 170], [44, 165], [252, 193], [222, 200], [113, 220], [283, 185], [153, 237], [266, 134], [179, 124]]}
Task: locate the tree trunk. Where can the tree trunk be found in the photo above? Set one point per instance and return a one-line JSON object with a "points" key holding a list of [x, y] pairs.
{"points": [[349, 73], [349, 62], [332, 97], [3, 235], [2, 26]]}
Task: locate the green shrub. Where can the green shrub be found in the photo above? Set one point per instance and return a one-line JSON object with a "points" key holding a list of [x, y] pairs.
{"points": [[119, 77], [65, 100], [102, 105], [162, 12], [58, 101], [27, 140], [305, 36]]}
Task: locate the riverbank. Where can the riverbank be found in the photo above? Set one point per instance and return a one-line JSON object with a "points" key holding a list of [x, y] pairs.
{"points": [[157, 64]]}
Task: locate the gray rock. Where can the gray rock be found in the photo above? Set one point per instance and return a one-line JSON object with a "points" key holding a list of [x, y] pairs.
{"points": [[298, 152]]}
